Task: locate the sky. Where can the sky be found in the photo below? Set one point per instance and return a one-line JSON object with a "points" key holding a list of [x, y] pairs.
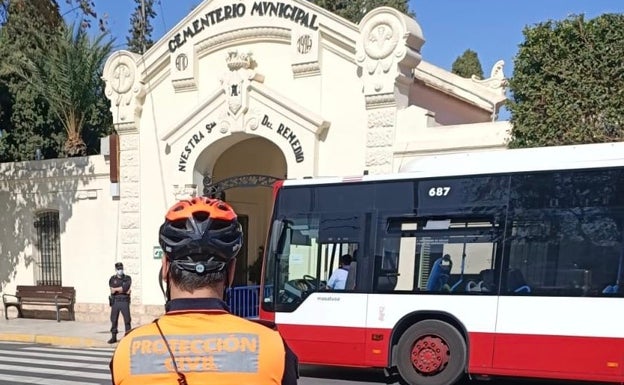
{"points": [[492, 28]]}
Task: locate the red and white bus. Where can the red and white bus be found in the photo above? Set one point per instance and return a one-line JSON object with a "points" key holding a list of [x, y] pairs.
{"points": [[505, 263]]}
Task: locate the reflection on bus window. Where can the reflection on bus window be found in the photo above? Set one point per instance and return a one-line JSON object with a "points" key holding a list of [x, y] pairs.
{"points": [[566, 234], [450, 256]]}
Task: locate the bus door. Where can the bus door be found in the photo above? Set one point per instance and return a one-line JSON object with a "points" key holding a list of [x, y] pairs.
{"points": [[321, 324]]}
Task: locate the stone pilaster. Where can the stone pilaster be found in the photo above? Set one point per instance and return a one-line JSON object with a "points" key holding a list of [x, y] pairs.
{"points": [[124, 87], [387, 51]]}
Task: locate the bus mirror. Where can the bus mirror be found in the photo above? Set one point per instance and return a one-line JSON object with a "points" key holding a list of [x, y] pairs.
{"points": [[279, 236]]}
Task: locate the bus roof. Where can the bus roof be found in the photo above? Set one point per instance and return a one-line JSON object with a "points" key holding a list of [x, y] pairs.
{"points": [[494, 162]]}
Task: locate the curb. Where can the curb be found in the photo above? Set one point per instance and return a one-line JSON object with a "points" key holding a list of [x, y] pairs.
{"points": [[69, 342]]}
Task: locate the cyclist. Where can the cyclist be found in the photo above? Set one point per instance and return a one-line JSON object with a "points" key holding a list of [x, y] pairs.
{"points": [[197, 340]]}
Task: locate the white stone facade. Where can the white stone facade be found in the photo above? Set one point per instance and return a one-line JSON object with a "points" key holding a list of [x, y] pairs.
{"points": [[282, 89]]}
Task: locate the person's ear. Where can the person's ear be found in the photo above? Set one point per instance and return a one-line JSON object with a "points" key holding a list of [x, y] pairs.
{"points": [[165, 266], [231, 269]]}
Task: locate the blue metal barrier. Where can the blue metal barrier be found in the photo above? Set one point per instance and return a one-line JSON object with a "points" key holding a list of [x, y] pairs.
{"points": [[244, 301]]}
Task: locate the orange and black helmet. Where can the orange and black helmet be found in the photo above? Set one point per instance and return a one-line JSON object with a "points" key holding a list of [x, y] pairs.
{"points": [[201, 234]]}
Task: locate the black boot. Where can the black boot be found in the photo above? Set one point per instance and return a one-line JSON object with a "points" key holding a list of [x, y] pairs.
{"points": [[113, 338]]}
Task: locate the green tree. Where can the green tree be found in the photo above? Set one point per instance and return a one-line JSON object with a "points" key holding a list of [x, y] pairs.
{"points": [[467, 64], [69, 78], [140, 38], [354, 10], [26, 124], [86, 7], [568, 83]]}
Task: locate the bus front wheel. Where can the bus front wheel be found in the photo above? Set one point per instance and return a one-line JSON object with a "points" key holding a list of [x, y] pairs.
{"points": [[431, 352]]}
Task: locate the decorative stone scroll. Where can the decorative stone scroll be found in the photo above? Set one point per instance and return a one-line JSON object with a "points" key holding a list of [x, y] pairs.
{"points": [[124, 88], [496, 81], [388, 47]]}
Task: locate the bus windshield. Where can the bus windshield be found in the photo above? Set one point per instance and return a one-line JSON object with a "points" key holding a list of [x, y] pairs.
{"points": [[305, 253]]}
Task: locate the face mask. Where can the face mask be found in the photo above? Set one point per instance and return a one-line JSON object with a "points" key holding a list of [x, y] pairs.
{"points": [[119, 271]]}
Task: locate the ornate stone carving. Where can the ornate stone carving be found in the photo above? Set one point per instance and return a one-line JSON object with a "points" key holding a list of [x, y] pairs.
{"points": [[306, 69], [252, 120], [123, 78], [124, 88], [379, 139], [186, 191], [381, 37], [388, 47], [380, 100], [496, 80], [235, 84], [183, 85], [265, 34], [236, 61]]}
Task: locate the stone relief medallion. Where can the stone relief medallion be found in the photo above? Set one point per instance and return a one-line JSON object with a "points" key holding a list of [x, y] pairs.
{"points": [[123, 88], [181, 62], [381, 39], [304, 44], [123, 78]]}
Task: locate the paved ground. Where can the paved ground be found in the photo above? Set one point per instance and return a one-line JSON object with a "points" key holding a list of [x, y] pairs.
{"points": [[27, 363], [65, 333], [44, 364], [56, 353]]}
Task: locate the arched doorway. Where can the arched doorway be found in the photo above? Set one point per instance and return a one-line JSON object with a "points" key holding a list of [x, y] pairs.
{"points": [[243, 173]]}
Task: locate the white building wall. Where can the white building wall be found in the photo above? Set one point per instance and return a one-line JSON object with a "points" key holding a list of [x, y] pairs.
{"points": [[79, 188]]}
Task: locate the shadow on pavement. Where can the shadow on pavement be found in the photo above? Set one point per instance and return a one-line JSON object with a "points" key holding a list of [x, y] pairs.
{"points": [[346, 374]]}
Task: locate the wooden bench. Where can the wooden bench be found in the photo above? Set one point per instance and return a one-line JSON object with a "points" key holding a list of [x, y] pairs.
{"points": [[61, 297]]}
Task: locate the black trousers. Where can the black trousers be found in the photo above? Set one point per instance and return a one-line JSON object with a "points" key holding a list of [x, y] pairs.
{"points": [[120, 305]]}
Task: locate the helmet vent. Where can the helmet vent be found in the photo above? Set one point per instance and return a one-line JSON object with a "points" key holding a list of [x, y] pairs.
{"points": [[201, 216], [179, 224]]}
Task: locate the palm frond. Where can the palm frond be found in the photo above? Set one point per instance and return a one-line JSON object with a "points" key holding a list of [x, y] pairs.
{"points": [[67, 74]]}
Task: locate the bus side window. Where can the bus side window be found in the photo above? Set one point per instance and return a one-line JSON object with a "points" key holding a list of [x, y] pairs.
{"points": [[385, 275]]}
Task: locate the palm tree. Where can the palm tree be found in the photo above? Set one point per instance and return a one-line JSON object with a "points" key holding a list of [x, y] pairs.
{"points": [[68, 76]]}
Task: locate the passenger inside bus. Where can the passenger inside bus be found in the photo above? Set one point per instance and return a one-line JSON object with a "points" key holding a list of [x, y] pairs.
{"points": [[440, 273], [338, 279]]}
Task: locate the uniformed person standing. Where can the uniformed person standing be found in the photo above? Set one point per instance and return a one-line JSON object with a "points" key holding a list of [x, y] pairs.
{"points": [[198, 341], [119, 300]]}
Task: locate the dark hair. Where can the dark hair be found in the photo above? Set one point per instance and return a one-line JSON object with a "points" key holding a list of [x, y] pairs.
{"points": [[345, 259], [190, 281], [118, 265]]}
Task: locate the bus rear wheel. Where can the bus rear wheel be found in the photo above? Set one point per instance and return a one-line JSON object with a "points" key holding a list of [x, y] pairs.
{"points": [[431, 352]]}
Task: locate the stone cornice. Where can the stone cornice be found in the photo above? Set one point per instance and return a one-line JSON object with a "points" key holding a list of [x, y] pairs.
{"points": [[466, 89], [266, 34]]}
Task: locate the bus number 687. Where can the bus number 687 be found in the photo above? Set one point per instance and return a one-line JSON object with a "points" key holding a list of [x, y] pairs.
{"points": [[439, 191]]}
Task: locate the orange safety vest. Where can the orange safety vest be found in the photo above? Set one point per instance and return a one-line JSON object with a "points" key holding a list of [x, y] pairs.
{"points": [[210, 347]]}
